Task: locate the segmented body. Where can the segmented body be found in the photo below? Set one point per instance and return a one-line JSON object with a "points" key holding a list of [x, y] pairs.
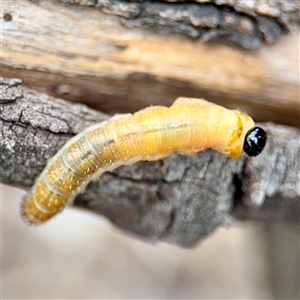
{"points": [[188, 126]]}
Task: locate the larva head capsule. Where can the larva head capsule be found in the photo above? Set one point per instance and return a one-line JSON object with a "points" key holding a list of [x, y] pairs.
{"points": [[244, 137], [255, 141]]}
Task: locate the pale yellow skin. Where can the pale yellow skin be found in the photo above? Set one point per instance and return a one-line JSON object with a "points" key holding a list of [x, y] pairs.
{"points": [[187, 127]]}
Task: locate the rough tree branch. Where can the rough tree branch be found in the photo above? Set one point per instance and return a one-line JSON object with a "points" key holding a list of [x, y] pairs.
{"points": [[179, 199]]}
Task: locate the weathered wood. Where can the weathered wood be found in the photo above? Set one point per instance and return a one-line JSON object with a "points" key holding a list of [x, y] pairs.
{"points": [[179, 199], [247, 24], [88, 56]]}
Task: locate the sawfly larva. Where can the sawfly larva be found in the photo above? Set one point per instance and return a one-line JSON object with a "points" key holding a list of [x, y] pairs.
{"points": [[187, 127]]}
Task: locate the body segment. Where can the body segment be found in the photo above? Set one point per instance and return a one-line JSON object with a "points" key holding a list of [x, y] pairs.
{"points": [[188, 126]]}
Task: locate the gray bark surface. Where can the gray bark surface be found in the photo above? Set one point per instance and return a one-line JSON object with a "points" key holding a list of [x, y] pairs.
{"points": [[246, 24], [179, 199]]}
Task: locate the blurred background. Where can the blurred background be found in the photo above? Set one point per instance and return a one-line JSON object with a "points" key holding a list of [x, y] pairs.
{"points": [[80, 255]]}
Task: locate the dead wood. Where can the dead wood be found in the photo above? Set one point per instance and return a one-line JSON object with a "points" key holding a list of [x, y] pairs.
{"points": [[120, 56]]}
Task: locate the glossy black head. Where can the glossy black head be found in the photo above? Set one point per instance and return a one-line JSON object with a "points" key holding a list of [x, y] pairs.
{"points": [[255, 141]]}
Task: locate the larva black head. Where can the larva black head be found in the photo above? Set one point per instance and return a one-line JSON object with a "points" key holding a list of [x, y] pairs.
{"points": [[255, 141]]}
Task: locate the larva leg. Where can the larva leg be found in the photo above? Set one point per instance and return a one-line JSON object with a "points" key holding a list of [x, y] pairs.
{"points": [[189, 152], [158, 156]]}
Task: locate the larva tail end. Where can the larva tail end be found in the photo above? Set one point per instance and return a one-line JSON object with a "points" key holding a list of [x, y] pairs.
{"points": [[255, 141], [31, 214]]}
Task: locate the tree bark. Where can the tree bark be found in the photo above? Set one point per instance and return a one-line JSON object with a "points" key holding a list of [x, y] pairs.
{"points": [[179, 199]]}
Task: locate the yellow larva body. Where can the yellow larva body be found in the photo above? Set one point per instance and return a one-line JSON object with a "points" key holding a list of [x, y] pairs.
{"points": [[188, 126]]}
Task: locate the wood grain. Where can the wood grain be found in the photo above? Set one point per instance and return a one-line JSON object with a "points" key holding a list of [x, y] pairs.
{"points": [[84, 55]]}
